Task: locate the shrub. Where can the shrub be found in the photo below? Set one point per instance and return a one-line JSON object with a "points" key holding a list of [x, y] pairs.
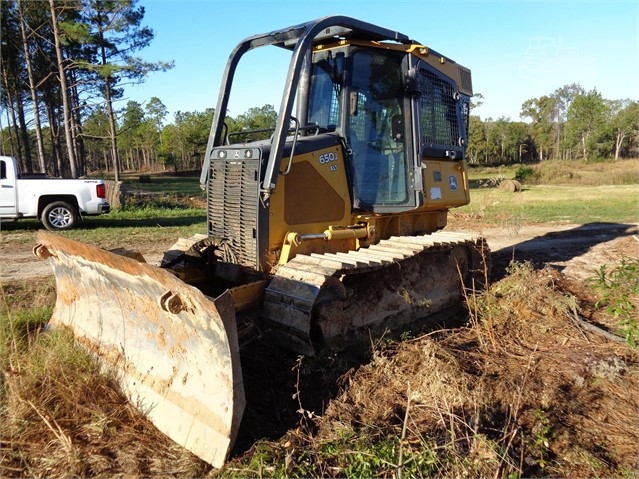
{"points": [[618, 291], [526, 174]]}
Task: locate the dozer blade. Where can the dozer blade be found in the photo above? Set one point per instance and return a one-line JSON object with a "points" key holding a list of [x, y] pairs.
{"points": [[175, 351]]}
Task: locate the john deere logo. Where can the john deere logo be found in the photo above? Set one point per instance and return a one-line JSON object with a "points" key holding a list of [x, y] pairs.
{"points": [[452, 182]]}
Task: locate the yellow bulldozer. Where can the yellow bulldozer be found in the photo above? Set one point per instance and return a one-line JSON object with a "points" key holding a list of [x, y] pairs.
{"points": [[326, 227]]}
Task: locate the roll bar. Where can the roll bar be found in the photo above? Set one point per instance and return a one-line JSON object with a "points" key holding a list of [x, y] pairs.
{"points": [[299, 39]]}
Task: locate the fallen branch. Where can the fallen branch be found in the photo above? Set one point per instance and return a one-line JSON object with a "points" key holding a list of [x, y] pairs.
{"points": [[596, 329]]}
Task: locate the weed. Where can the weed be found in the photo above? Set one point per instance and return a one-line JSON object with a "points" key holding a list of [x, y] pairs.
{"points": [[543, 435], [61, 413], [409, 298], [18, 322], [618, 290], [365, 455]]}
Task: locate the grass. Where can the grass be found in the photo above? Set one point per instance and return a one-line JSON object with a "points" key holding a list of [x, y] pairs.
{"points": [[166, 184], [61, 414], [148, 224], [570, 192], [557, 172], [618, 293], [175, 206], [522, 393], [554, 204]]}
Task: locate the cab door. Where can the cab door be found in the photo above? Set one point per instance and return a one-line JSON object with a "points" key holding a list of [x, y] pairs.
{"points": [[378, 131]]}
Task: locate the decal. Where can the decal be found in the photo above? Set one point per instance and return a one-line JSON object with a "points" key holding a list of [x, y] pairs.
{"points": [[452, 182], [327, 158], [437, 175], [435, 193]]}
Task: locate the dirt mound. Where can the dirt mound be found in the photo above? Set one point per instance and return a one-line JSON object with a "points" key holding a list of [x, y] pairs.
{"points": [[525, 390]]}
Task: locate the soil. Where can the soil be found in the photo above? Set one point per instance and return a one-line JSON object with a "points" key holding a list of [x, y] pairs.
{"points": [[19, 262]]}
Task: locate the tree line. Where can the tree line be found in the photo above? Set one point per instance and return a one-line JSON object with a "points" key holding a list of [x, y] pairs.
{"points": [[63, 60], [66, 63], [569, 123]]}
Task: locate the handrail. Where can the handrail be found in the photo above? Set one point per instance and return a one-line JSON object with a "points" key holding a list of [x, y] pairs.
{"points": [[290, 160]]}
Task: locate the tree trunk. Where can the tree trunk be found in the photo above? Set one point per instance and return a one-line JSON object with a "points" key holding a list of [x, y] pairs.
{"points": [[584, 137], [65, 93], [618, 143], [76, 114], [11, 117], [113, 132], [23, 135], [54, 133], [32, 88]]}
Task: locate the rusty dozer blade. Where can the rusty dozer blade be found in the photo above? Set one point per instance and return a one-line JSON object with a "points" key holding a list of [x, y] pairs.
{"points": [[175, 351]]}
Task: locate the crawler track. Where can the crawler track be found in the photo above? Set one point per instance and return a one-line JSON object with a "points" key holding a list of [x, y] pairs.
{"points": [[319, 298]]}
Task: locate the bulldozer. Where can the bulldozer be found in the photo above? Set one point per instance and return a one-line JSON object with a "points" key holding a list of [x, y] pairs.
{"points": [[324, 229]]}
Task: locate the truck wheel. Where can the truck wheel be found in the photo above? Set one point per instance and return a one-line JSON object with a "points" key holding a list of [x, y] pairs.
{"points": [[59, 215]]}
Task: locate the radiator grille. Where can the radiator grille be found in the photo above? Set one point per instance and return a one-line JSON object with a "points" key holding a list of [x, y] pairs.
{"points": [[232, 206]]}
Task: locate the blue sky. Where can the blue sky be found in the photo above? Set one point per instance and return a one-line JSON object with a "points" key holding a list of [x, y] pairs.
{"points": [[516, 50]]}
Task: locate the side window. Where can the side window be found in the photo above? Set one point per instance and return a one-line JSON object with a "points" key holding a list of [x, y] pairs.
{"points": [[3, 170], [325, 92]]}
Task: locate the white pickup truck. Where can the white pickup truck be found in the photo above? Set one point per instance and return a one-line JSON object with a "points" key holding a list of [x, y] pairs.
{"points": [[58, 203]]}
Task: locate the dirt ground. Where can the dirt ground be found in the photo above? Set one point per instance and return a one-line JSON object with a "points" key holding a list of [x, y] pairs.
{"points": [[565, 384], [19, 262], [576, 250]]}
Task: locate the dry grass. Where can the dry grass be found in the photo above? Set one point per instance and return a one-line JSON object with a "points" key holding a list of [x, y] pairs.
{"points": [[583, 173], [560, 172], [61, 416], [524, 391]]}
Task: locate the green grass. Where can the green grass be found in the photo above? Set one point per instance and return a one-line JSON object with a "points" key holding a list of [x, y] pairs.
{"points": [[618, 291], [147, 224], [554, 204]]}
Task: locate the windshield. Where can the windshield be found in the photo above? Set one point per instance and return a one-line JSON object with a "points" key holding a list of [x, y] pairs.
{"points": [[369, 111]]}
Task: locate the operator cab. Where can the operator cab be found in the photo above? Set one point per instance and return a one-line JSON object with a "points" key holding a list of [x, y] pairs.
{"points": [[369, 95]]}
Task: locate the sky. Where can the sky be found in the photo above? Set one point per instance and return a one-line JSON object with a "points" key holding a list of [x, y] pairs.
{"points": [[516, 50]]}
